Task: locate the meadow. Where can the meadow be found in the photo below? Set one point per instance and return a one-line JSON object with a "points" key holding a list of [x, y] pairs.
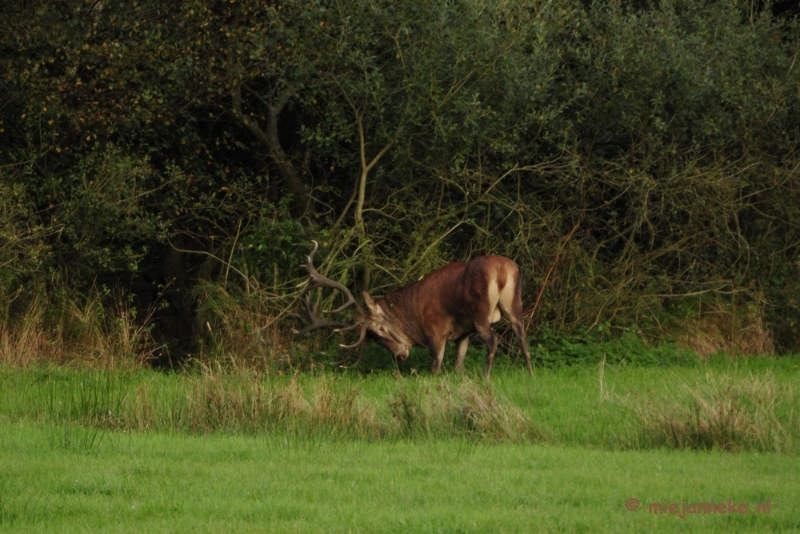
{"points": [[165, 168], [571, 449]]}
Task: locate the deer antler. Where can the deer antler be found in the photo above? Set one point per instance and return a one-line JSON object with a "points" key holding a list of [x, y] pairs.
{"points": [[316, 280], [315, 323]]}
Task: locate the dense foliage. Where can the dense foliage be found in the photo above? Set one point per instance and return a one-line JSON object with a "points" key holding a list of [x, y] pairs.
{"points": [[638, 160]]}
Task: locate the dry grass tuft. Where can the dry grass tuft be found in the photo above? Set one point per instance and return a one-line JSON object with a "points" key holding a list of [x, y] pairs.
{"points": [[243, 324], [25, 341], [726, 413], [734, 332], [247, 402], [472, 410], [95, 329]]}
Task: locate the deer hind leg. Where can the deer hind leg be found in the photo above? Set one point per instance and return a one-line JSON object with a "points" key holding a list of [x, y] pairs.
{"points": [[490, 338], [511, 304], [462, 344]]}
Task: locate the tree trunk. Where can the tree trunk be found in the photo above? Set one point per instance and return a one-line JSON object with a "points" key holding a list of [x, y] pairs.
{"points": [[292, 180]]}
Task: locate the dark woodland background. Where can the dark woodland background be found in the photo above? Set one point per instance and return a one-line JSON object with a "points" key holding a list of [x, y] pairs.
{"points": [[164, 166]]}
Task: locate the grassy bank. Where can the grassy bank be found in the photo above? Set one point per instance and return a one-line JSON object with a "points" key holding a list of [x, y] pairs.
{"points": [[733, 405]]}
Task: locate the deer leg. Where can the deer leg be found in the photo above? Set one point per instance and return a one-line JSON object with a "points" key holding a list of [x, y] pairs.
{"points": [[519, 330], [490, 338], [513, 312], [437, 355], [461, 351]]}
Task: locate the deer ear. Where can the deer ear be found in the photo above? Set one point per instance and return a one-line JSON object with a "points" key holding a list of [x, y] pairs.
{"points": [[374, 307]]}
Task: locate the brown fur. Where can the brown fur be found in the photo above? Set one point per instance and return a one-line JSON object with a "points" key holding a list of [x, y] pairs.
{"points": [[450, 304]]}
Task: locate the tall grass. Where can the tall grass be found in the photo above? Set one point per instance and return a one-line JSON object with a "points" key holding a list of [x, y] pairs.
{"points": [[243, 402], [247, 402], [244, 324], [465, 408], [609, 406], [719, 328], [720, 412], [26, 340], [97, 328]]}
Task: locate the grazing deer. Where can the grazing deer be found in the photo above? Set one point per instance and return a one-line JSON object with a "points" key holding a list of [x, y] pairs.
{"points": [[448, 304]]}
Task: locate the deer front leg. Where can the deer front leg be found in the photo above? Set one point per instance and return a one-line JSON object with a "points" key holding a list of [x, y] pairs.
{"points": [[437, 355]]}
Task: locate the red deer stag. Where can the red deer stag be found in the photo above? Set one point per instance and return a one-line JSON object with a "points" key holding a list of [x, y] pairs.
{"points": [[448, 304]]}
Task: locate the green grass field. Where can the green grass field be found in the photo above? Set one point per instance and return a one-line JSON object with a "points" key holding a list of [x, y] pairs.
{"points": [[151, 482], [564, 451]]}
